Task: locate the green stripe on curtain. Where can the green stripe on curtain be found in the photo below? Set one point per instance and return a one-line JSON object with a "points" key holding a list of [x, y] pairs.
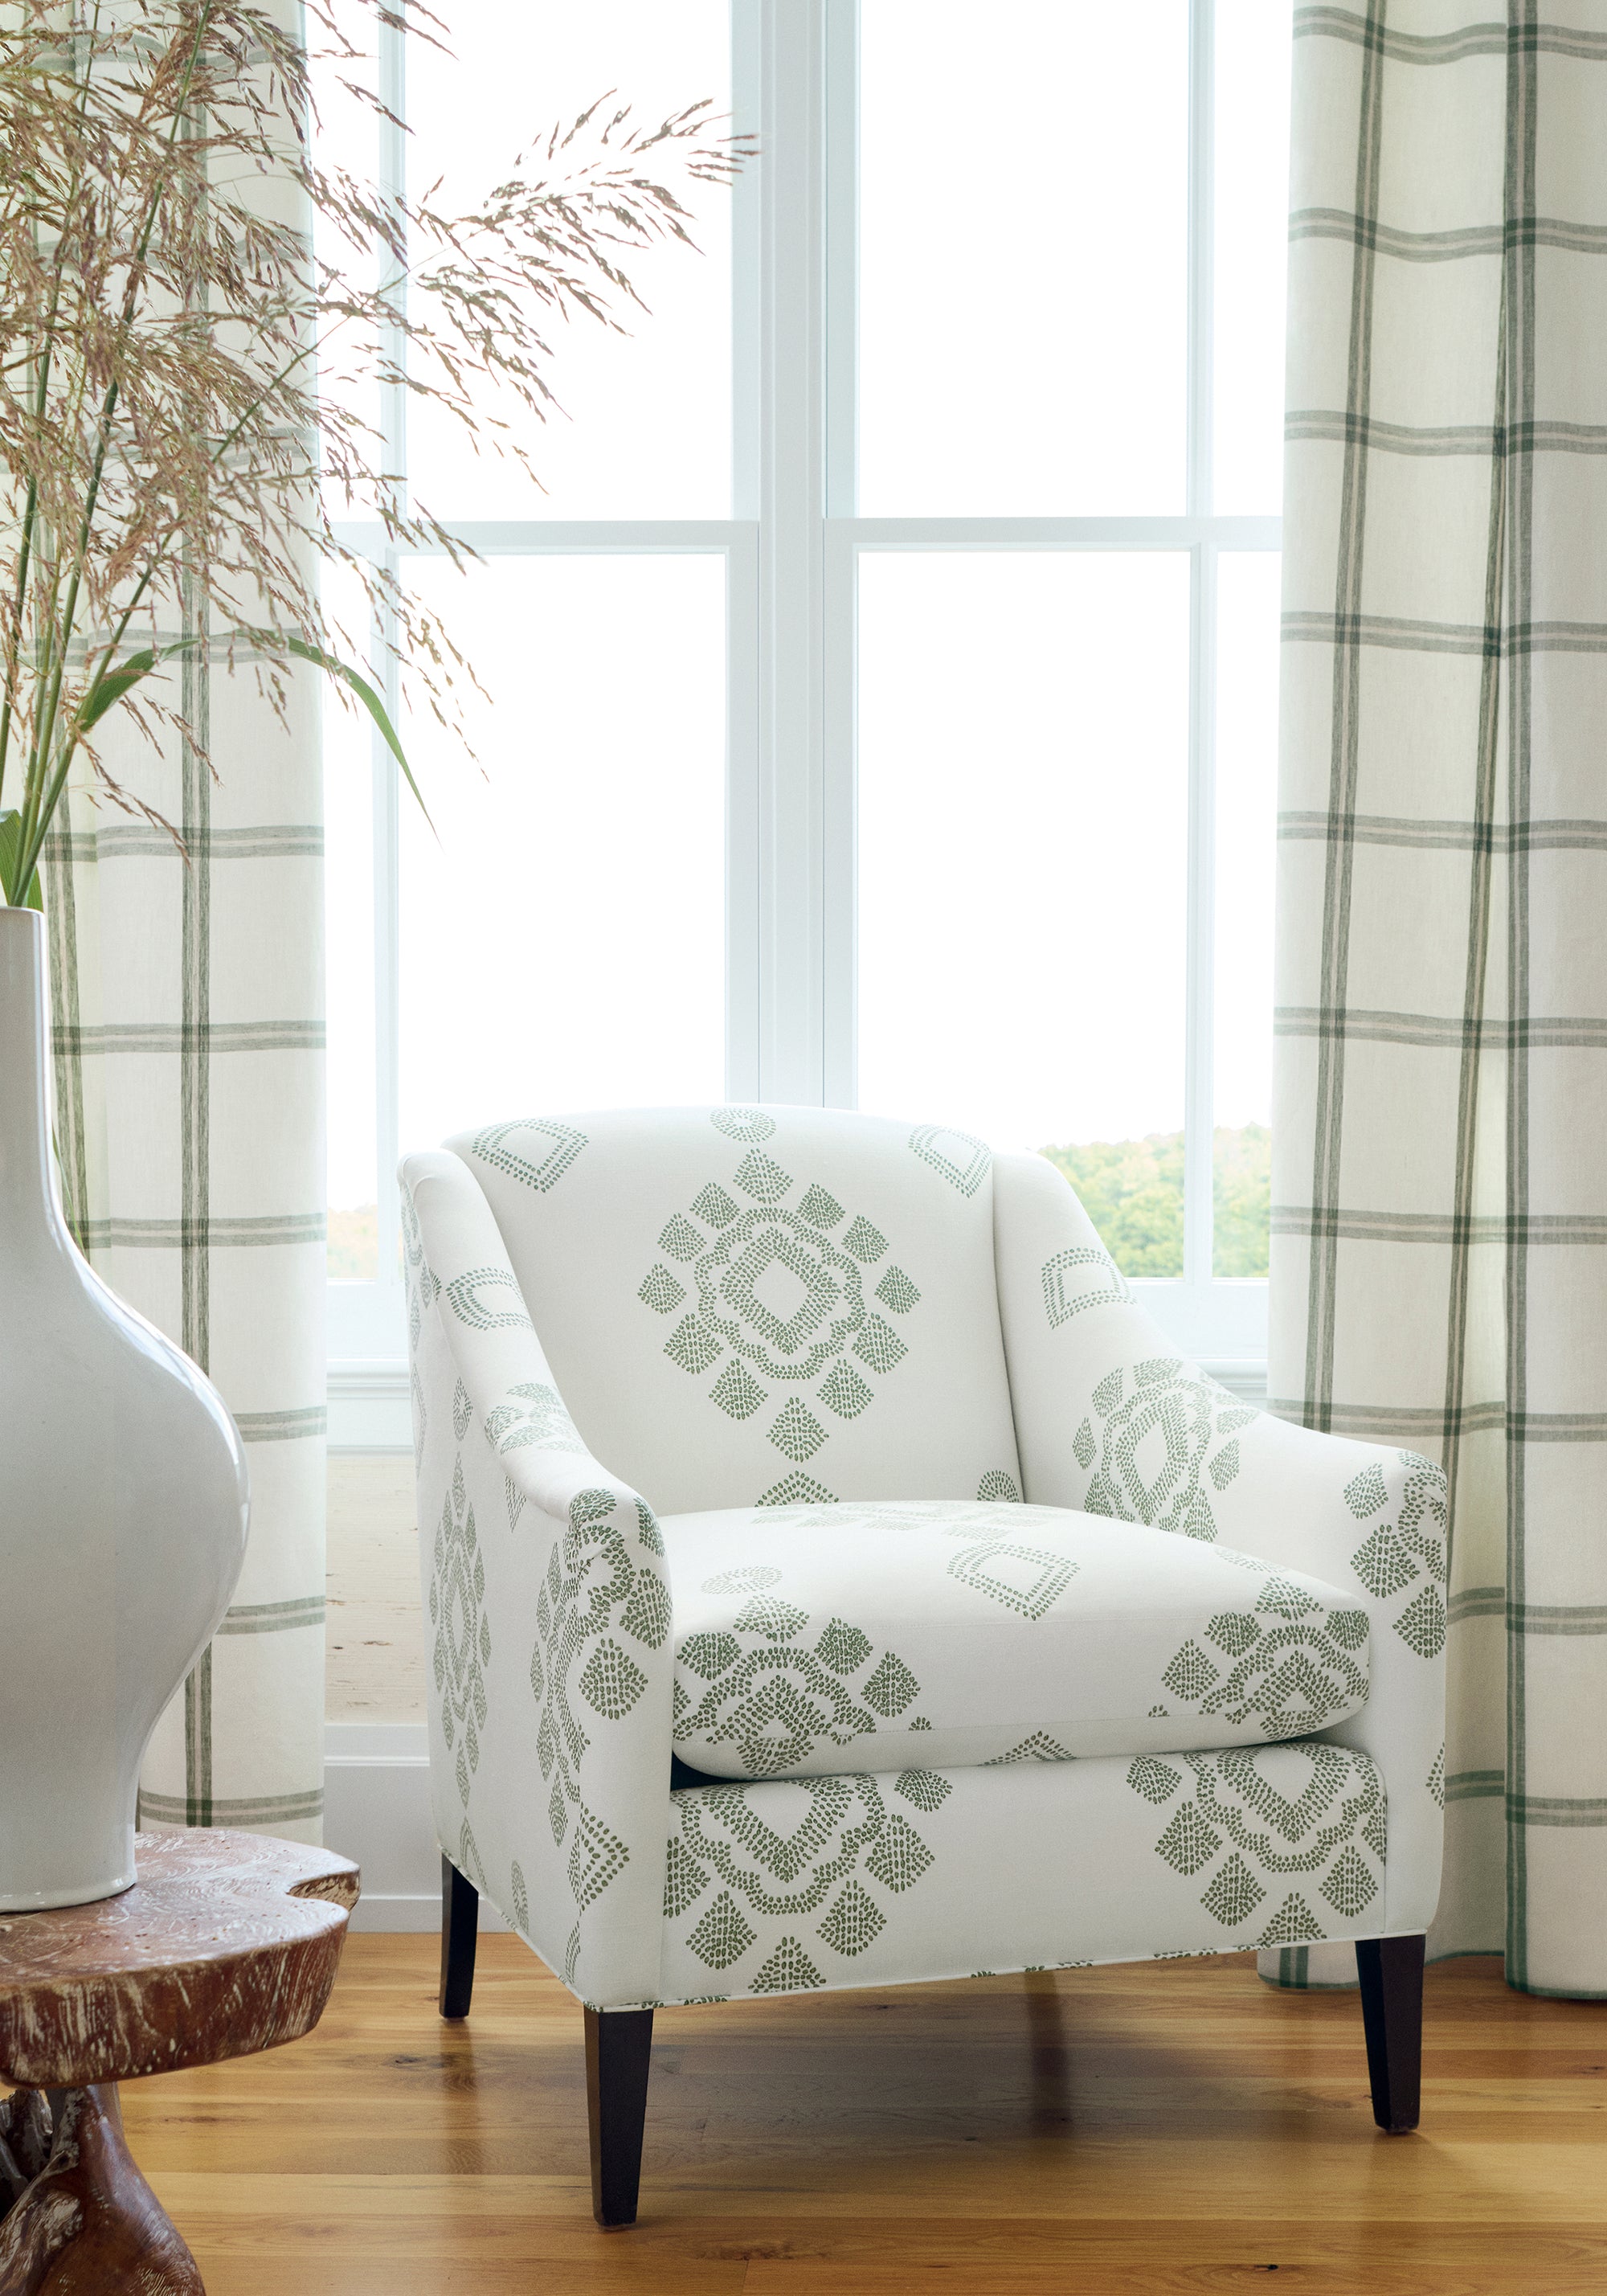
{"points": [[1441, 1199]]}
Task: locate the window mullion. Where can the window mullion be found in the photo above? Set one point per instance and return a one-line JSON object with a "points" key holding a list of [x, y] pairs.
{"points": [[1199, 1063]]}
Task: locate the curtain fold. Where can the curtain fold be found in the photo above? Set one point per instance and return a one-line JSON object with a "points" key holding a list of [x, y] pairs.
{"points": [[1439, 1275], [188, 1002]]}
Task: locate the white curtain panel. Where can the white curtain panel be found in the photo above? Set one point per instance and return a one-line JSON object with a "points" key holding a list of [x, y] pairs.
{"points": [[1438, 1277], [188, 1013]]}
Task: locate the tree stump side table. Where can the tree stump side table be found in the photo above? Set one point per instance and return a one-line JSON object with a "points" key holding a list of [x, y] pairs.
{"points": [[227, 1943]]}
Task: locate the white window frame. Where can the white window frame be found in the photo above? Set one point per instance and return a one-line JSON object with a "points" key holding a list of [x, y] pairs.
{"points": [[792, 548]]}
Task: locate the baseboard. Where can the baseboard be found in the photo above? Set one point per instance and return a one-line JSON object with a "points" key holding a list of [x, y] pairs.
{"points": [[376, 1810]]}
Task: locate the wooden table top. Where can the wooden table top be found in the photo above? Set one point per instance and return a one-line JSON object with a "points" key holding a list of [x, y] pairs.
{"points": [[227, 1943]]}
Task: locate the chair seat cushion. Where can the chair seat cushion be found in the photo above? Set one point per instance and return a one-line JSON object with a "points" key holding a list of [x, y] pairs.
{"points": [[865, 1637]]}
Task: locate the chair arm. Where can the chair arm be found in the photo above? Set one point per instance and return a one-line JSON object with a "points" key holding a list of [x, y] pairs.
{"points": [[550, 1732], [1110, 1419]]}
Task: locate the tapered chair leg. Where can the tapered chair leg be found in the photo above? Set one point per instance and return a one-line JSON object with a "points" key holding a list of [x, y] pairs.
{"points": [[618, 2049], [460, 1926], [1390, 1969]]}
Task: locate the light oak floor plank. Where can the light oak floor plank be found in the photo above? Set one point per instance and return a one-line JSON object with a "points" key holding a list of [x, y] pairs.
{"points": [[1162, 2129]]}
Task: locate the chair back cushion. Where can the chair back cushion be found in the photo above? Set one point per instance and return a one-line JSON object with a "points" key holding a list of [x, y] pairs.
{"points": [[762, 1306]]}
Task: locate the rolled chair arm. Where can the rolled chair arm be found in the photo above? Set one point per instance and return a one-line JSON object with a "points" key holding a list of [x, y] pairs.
{"points": [[1110, 1419], [550, 1616]]}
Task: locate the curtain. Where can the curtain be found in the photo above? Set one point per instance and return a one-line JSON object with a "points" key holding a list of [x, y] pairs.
{"points": [[187, 1000], [1438, 1277]]}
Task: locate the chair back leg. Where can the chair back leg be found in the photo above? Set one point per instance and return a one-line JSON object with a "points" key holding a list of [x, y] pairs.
{"points": [[460, 1928], [1390, 1969], [619, 2049]]}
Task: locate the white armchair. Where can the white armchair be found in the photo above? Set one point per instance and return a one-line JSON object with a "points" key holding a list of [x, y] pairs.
{"points": [[834, 1580]]}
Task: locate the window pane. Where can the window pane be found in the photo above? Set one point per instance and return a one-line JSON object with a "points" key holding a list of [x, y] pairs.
{"points": [[349, 949], [1251, 252], [645, 429], [1023, 240], [1247, 775], [563, 945], [1023, 779]]}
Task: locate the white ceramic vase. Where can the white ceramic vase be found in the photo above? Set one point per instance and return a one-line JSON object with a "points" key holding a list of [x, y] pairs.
{"points": [[122, 1508]]}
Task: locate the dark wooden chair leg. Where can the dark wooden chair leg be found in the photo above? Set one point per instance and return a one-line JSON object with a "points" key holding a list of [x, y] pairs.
{"points": [[1390, 1969], [618, 2049], [460, 1926]]}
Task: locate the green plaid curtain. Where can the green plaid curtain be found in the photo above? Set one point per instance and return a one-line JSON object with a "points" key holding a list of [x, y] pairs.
{"points": [[188, 1004], [1438, 1278]]}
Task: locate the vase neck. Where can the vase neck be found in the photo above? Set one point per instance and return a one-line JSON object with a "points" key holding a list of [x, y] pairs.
{"points": [[25, 1189]]}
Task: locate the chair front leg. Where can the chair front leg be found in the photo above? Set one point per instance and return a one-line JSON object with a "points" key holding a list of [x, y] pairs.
{"points": [[460, 1929], [619, 2050], [1390, 1969]]}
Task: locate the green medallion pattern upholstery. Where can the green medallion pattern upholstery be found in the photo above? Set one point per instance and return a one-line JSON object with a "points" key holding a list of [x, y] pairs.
{"points": [[813, 1639], [834, 1457]]}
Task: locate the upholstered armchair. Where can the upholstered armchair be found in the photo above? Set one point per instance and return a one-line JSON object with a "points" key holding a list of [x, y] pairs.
{"points": [[834, 1579]]}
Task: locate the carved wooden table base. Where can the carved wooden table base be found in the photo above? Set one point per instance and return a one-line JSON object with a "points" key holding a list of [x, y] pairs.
{"points": [[227, 1943]]}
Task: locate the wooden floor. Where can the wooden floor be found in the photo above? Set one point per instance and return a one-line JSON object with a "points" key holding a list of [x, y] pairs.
{"points": [[1173, 2128]]}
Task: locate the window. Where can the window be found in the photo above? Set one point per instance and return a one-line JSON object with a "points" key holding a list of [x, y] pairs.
{"points": [[881, 702]]}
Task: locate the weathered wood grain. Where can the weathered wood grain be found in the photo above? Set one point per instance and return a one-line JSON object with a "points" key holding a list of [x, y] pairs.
{"points": [[227, 1944], [87, 2219]]}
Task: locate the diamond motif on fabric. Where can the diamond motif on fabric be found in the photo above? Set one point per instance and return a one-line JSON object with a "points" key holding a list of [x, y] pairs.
{"points": [[1285, 1600], [843, 1648], [1081, 1277], [1421, 1625], [597, 1855], [1155, 1449], [1365, 1493], [899, 1857], [789, 1970], [896, 1291], [1191, 1673], [692, 1347], [1293, 1924], [1083, 1445], [462, 1411], [611, 1682], [714, 1206], [924, 1788], [546, 1152], [1154, 1779], [879, 1346], [1188, 1842], [962, 1161], [1382, 1564], [1233, 1631], [708, 1655], [821, 1207], [845, 1392], [867, 1242], [1234, 1893], [797, 1431], [855, 1922], [737, 1392], [680, 1239], [723, 1934], [660, 1290], [685, 1879], [768, 1615], [1027, 1580], [1350, 1885], [760, 1177], [891, 1687]]}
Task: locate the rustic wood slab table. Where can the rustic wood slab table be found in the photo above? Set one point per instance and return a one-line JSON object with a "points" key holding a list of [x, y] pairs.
{"points": [[227, 1943]]}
